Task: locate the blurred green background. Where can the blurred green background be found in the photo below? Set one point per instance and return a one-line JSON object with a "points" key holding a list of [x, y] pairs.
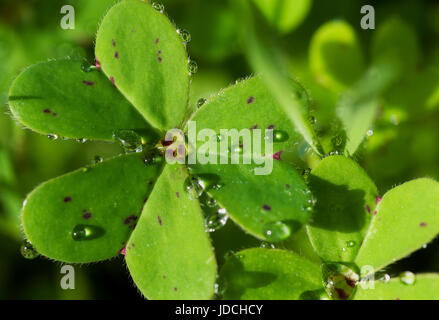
{"points": [[403, 145]]}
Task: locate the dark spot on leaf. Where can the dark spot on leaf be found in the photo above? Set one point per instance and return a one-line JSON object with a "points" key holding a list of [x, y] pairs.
{"points": [[159, 219], [423, 224], [175, 289], [112, 81], [287, 186], [98, 64], [67, 199], [159, 52], [160, 59], [133, 245], [254, 127], [266, 207], [250, 100], [54, 114], [164, 277], [177, 194], [144, 200], [113, 42], [87, 215], [123, 251], [88, 83], [116, 55], [277, 155], [130, 219], [368, 208], [270, 127], [150, 182], [375, 212], [46, 111], [157, 40]]}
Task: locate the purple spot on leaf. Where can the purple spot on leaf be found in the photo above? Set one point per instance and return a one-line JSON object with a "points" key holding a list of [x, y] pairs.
{"points": [[159, 219], [250, 100], [271, 127], [113, 42], [157, 40], [277, 155], [88, 83], [129, 219], [87, 215], [266, 207], [423, 224], [287, 186], [378, 199], [368, 208], [112, 81], [67, 199], [160, 59], [98, 64], [46, 111], [116, 54], [254, 127]]}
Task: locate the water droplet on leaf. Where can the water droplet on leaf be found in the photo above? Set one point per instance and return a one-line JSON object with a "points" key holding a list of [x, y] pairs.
{"points": [[276, 231], [83, 232], [158, 6], [130, 140], [28, 251], [98, 159], [216, 220], [193, 67], [185, 35], [52, 137], [201, 102], [350, 244], [407, 277]]}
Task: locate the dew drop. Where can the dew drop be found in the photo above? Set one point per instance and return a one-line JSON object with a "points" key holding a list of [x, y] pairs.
{"points": [[129, 140], [185, 35], [193, 187], [193, 67], [276, 231], [83, 232], [153, 157], [350, 244], [158, 6], [81, 140], [267, 245], [87, 67], [201, 102], [385, 278], [52, 137], [28, 251], [216, 220], [98, 159], [369, 133], [407, 277], [280, 136]]}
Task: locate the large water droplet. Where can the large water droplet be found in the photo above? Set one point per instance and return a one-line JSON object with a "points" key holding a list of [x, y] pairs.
{"points": [[28, 251], [185, 35], [276, 231], [193, 67], [193, 187], [83, 232], [216, 220], [407, 277], [130, 140], [339, 280]]}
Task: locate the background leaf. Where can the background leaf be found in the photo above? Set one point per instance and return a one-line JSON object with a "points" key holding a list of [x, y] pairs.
{"points": [[100, 203], [140, 50], [169, 255], [285, 15], [406, 218], [345, 201], [269, 274], [424, 288], [336, 58], [58, 97]]}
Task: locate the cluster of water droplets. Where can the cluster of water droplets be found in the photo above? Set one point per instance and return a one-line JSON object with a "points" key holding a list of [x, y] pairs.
{"points": [[197, 188]]}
